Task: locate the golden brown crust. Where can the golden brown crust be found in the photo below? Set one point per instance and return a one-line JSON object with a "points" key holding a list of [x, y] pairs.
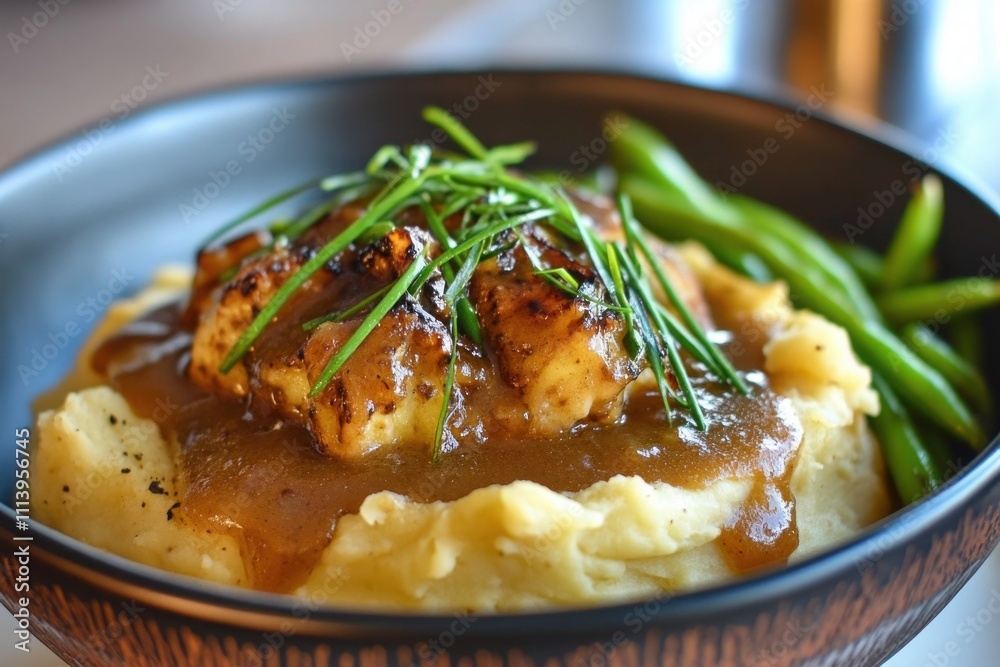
{"points": [[389, 392], [550, 360], [562, 354]]}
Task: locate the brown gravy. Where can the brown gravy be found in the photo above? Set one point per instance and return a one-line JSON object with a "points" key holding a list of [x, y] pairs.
{"points": [[248, 472]]}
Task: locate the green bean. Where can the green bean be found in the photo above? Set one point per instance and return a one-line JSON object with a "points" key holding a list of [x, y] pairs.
{"points": [[642, 149], [913, 468], [915, 380], [673, 218], [742, 261], [738, 259], [962, 375], [917, 233], [939, 301], [867, 263], [966, 335], [799, 236], [938, 446], [754, 267], [927, 272]]}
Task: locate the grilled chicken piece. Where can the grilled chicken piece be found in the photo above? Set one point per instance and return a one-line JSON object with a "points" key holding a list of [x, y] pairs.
{"points": [[551, 360], [389, 391], [225, 318], [222, 308], [562, 355], [213, 264]]}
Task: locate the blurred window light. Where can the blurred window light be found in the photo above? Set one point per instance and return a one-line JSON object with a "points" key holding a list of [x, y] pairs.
{"points": [[962, 49], [704, 36]]}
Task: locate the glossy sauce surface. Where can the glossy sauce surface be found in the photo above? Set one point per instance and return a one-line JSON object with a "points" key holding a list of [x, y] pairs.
{"points": [[249, 472]]}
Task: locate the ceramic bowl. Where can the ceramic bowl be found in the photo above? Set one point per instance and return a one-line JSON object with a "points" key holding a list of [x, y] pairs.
{"points": [[91, 217]]}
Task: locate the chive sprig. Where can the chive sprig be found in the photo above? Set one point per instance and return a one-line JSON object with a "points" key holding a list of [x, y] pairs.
{"points": [[496, 205]]}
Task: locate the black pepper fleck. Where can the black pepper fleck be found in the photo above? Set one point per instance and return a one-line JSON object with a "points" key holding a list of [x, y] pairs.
{"points": [[126, 471], [154, 487], [65, 489], [170, 512], [113, 420]]}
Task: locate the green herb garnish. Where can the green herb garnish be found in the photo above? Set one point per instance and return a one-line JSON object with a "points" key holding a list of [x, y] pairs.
{"points": [[477, 208], [385, 304]]}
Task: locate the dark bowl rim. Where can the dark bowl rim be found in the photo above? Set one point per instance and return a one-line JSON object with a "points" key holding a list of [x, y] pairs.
{"points": [[255, 609]]}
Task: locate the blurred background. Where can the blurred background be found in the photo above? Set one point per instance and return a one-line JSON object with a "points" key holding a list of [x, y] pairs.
{"points": [[931, 68]]}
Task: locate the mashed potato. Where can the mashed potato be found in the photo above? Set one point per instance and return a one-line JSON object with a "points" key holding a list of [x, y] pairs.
{"points": [[106, 477]]}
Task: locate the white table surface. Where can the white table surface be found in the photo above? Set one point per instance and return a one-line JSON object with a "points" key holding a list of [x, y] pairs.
{"points": [[90, 53]]}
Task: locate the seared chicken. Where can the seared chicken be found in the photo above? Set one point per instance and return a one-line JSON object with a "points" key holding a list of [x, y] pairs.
{"points": [[562, 356], [549, 360]]}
